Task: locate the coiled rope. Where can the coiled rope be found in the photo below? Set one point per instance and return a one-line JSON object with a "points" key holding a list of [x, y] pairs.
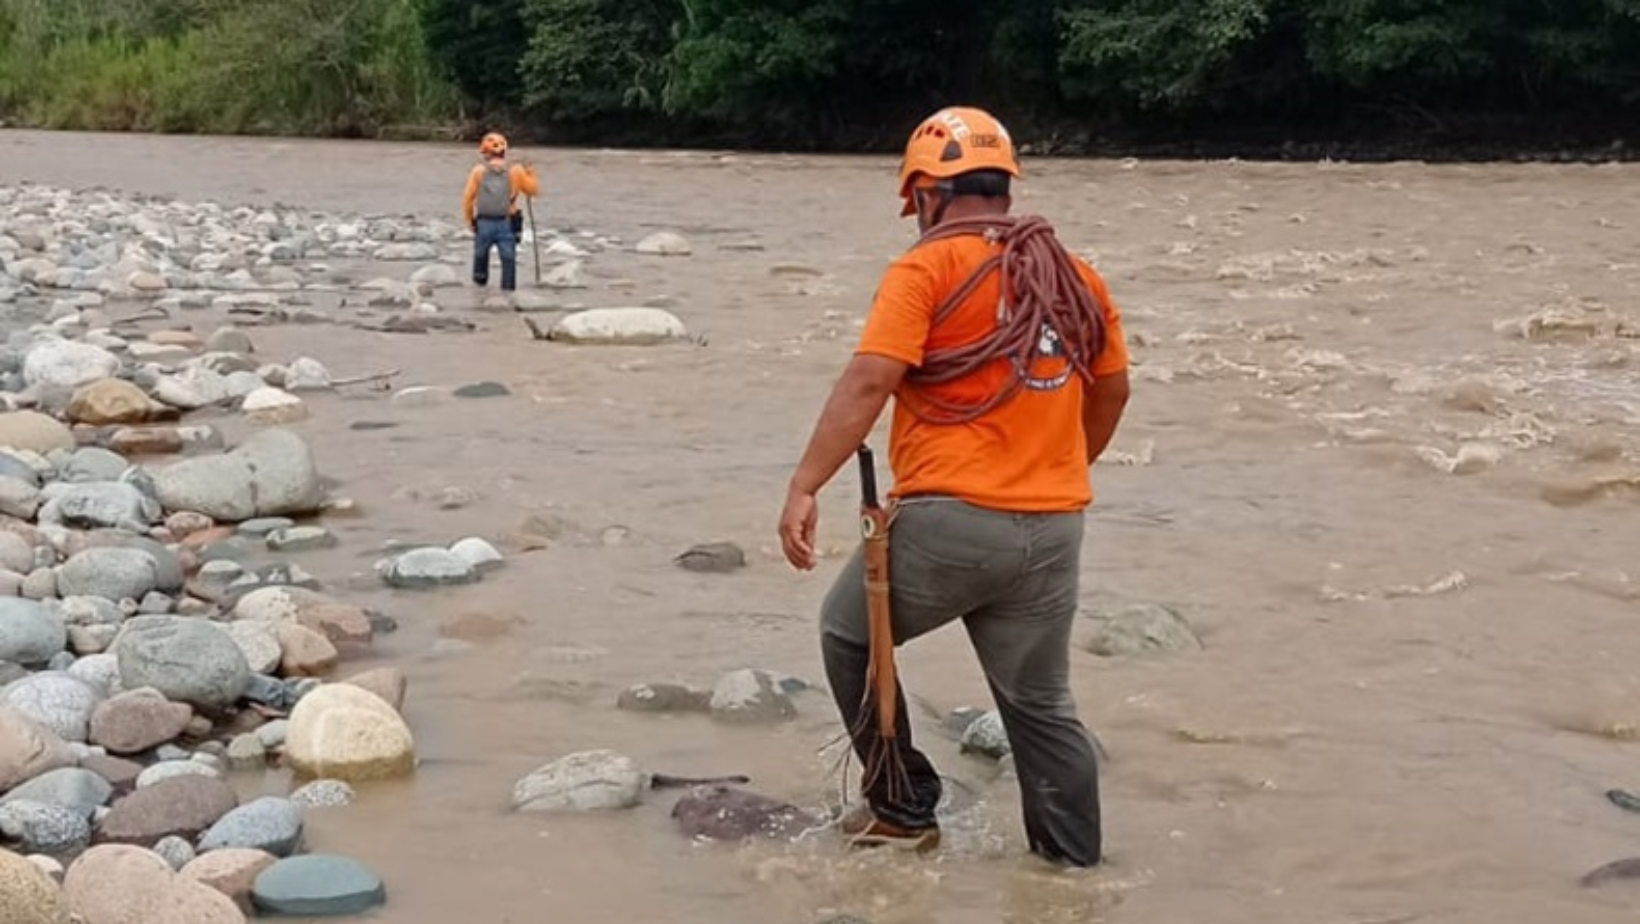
{"points": [[1041, 288]]}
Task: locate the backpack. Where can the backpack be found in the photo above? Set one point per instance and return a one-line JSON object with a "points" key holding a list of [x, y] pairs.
{"points": [[494, 193]]}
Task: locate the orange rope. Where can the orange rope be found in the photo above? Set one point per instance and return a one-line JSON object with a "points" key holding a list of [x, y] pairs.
{"points": [[1040, 288]]}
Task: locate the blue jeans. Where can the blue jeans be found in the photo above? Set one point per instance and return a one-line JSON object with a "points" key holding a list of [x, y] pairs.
{"points": [[497, 233]]}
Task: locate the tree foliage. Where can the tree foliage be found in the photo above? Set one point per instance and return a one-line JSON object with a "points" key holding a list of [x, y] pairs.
{"points": [[478, 44], [596, 59], [807, 72]]}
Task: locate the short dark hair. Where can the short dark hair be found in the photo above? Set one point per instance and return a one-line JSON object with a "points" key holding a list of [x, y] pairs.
{"points": [[989, 184]]}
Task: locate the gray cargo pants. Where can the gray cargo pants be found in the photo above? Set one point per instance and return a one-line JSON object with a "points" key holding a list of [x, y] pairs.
{"points": [[1012, 579]]}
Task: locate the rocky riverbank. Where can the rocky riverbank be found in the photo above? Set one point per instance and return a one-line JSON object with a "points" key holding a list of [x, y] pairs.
{"points": [[157, 643]]}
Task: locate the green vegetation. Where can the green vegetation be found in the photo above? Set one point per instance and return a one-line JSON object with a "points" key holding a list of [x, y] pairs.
{"points": [[342, 67], [835, 74]]}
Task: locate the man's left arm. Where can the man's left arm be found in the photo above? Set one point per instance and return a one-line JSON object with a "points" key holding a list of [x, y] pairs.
{"points": [[1105, 398]]}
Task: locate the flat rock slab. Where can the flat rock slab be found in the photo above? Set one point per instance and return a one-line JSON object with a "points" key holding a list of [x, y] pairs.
{"points": [[184, 806], [317, 885]]}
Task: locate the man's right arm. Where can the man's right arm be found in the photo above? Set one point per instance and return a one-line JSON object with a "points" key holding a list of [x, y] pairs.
{"points": [[525, 180]]}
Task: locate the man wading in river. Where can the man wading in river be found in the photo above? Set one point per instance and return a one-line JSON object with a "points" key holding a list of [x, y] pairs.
{"points": [[490, 205], [1003, 399]]}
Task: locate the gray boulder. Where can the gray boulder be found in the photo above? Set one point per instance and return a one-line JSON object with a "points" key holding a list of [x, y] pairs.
{"points": [[588, 781], [70, 787], [93, 463], [272, 473], [269, 824], [186, 660], [68, 364], [90, 505], [38, 827], [29, 633], [18, 498], [57, 700], [109, 572]]}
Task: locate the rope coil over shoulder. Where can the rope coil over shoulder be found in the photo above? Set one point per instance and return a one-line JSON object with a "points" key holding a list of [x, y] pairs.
{"points": [[1041, 288]]}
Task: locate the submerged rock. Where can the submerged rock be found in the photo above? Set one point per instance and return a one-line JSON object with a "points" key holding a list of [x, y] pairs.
{"points": [[723, 813], [986, 735], [317, 885], [751, 696], [664, 243], [587, 781], [340, 731], [427, 567], [713, 558], [628, 326], [1141, 628]]}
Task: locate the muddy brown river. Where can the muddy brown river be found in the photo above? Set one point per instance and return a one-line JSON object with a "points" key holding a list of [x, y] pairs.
{"points": [[1383, 453]]}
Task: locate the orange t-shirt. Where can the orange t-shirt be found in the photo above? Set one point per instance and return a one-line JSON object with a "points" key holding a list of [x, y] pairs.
{"points": [[1028, 454]]}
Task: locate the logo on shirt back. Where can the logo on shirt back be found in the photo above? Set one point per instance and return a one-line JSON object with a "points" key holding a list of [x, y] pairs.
{"points": [[1050, 367]]}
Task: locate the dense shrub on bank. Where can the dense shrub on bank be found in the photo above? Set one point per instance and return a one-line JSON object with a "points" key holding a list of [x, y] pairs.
{"points": [[228, 66]]}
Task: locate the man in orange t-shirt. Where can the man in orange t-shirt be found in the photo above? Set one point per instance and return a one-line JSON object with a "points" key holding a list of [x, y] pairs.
{"points": [[1003, 399]]}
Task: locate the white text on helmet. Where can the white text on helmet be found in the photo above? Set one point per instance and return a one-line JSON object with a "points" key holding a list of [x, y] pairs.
{"points": [[959, 128]]}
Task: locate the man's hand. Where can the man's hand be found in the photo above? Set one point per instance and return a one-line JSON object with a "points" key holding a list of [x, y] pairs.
{"points": [[797, 523], [856, 400]]}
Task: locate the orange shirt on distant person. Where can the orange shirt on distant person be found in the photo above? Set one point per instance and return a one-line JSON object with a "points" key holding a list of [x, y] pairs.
{"points": [[1027, 455]]}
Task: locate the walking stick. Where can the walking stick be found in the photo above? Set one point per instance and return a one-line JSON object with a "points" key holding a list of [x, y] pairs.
{"points": [[535, 239], [881, 701]]}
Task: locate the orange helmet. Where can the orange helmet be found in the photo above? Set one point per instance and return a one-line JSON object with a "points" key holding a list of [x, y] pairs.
{"points": [[493, 145], [954, 141]]}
